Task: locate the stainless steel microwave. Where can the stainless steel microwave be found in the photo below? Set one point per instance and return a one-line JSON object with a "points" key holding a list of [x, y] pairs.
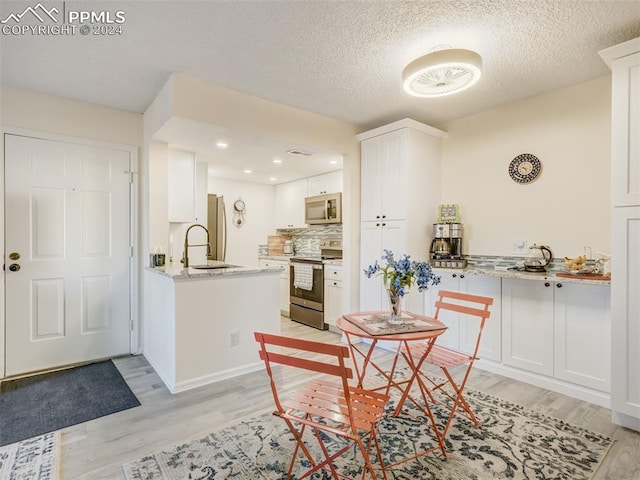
{"points": [[323, 209]]}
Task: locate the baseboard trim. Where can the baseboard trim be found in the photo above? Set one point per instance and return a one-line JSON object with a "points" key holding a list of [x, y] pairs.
{"points": [[215, 377], [602, 399], [625, 420]]}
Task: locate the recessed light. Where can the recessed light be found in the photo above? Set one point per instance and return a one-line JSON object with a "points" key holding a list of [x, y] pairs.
{"points": [[222, 144], [273, 179], [333, 162], [277, 160], [246, 170]]}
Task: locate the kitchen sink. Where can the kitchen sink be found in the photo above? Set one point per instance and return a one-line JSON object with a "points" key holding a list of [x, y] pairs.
{"points": [[212, 266]]}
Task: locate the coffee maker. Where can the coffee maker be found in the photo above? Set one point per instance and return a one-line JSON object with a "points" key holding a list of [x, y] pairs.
{"points": [[446, 246]]}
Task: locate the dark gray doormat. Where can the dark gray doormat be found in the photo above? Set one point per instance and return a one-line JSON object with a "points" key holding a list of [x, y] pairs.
{"points": [[43, 403]]}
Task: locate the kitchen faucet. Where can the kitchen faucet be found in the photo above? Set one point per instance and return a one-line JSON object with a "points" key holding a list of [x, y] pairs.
{"points": [[185, 258]]}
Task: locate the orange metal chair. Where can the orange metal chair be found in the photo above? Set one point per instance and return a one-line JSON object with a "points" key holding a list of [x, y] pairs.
{"points": [[325, 404], [473, 306]]}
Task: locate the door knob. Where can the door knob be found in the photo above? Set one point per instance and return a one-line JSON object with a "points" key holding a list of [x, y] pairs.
{"points": [[14, 267]]}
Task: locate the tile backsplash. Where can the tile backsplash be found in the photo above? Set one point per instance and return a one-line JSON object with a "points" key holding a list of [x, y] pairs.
{"points": [[306, 241]]}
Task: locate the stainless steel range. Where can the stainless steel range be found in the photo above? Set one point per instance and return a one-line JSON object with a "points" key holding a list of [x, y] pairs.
{"points": [[306, 285]]}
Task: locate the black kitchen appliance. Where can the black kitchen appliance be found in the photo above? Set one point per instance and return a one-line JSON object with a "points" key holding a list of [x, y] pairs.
{"points": [[446, 246]]}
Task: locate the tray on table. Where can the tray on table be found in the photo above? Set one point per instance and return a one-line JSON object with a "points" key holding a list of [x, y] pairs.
{"points": [[377, 324]]}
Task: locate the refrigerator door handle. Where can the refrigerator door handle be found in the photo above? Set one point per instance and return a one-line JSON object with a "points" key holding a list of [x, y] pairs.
{"points": [[224, 228]]}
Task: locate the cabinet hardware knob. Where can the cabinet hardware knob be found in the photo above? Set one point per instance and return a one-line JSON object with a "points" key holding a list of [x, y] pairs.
{"points": [[559, 285], [461, 276], [547, 284], [454, 275], [377, 224], [384, 224], [377, 216], [384, 216]]}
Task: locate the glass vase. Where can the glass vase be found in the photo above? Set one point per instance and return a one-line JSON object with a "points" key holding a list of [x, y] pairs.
{"points": [[395, 308]]}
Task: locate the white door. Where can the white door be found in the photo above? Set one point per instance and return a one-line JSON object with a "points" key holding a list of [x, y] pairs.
{"points": [[67, 253]]}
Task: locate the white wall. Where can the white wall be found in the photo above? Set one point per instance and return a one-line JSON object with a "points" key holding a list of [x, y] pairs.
{"points": [[568, 206], [259, 218]]}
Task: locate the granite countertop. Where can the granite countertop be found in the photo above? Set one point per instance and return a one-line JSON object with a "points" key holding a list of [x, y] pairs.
{"points": [[286, 258], [280, 258], [177, 272], [544, 276]]}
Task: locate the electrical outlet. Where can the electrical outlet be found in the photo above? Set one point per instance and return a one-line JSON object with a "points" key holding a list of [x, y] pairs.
{"points": [[234, 339], [519, 246]]}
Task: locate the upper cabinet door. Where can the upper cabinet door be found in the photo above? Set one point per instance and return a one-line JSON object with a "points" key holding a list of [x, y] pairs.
{"points": [[383, 171], [327, 183], [625, 136], [182, 184], [290, 204], [372, 151]]}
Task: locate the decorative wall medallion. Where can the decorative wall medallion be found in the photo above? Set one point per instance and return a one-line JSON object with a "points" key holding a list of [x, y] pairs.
{"points": [[525, 168]]}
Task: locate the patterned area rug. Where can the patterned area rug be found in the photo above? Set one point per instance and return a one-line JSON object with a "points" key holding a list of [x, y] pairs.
{"points": [[32, 459], [513, 443]]}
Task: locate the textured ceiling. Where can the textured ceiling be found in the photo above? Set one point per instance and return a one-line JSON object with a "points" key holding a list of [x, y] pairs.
{"points": [[342, 59]]}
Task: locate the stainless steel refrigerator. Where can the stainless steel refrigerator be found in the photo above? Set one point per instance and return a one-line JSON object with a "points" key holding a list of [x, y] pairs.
{"points": [[217, 226]]}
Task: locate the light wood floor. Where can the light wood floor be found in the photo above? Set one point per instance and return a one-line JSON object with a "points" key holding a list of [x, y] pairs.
{"points": [[97, 449]]}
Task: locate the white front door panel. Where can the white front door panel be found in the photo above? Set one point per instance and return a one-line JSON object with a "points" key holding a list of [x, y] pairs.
{"points": [[67, 218]]}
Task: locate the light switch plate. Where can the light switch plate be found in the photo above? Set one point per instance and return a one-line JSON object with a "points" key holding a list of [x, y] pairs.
{"points": [[519, 246]]}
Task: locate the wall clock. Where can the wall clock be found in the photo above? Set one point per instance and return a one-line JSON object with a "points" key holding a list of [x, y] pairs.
{"points": [[525, 168], [238, 205]]}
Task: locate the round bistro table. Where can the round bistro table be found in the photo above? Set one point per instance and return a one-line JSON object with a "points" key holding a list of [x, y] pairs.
{"points": [[416, 328]]}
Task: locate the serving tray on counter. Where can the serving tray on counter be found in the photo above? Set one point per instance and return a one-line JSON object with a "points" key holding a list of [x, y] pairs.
{"points": [[583, 276]]}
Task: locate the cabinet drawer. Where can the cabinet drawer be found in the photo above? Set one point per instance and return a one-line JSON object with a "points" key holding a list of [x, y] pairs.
{"points": [[282, 265], [332, 272]]}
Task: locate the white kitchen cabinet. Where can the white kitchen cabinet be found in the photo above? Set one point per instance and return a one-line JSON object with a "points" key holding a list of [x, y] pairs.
{"points": [[384, 171], [625, 316], [400, 192], [462, 331], [201, 188], [181, 186], [560, 330], [624, 61], [327, 183], [284, 281], [187, 188], [527, 325], [376, 236], [333, 298], [290, 204], [582, 324]]}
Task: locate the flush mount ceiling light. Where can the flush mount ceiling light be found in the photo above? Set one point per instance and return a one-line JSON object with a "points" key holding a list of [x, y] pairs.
{"points": [[442, 72]]}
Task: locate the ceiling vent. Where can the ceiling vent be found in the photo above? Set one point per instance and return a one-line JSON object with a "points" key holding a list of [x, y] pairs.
{"points": [[299, 152]]}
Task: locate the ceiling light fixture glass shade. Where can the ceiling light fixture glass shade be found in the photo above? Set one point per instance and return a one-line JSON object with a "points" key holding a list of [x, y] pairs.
{"points": [[442, 72]]}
